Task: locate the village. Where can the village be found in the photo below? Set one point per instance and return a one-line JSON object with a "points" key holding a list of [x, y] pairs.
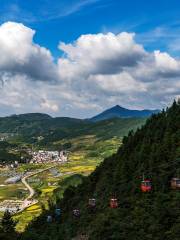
{"points": [[43, 156], [38, 157]]}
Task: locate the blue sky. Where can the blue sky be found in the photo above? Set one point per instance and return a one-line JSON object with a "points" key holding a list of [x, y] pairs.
{"points": [[66, 20], [78, 57]]}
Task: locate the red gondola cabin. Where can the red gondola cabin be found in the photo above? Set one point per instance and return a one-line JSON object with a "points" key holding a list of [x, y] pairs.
{"points": [[113, 203], [146, 185]]}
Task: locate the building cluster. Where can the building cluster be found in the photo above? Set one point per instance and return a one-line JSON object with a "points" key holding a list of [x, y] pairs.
{"points": [[43, 156], [15, 206], [10, 205]]}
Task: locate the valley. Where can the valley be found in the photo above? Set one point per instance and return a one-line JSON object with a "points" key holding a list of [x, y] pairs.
{"points": [[132, 190], [86, 145]]}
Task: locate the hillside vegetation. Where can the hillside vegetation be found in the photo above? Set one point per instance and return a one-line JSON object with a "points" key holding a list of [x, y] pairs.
{"points": [[40, 131], [87, 144], [153, 150], [7, 154], [28, 127]]}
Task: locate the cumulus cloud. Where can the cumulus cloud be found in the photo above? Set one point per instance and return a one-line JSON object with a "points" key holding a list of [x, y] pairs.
{"points": [[95, 72], [101, 53], [122, 82], [166, 65], [20, 55]]}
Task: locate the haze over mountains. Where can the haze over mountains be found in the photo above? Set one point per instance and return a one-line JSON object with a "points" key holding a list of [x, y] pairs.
{"points": [[52, 133], [120, 112], [53, 129], [45, 131], [114, 112]]}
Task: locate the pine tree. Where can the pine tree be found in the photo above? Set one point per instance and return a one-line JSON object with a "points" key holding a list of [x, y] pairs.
{"points": [[8, 227]]}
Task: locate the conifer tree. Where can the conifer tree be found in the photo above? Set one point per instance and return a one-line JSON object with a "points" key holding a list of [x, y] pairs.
{"points": [[8, 227]]}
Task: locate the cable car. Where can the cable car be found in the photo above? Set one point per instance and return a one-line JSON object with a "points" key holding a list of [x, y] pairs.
{"points": [[83, 237], [146, 185], [58, 212], [175, 183], [49, 219], [92, 202], [113, 203], [76, 212]]}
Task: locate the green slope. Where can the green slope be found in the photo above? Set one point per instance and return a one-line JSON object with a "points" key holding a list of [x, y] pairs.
{"points": [[28, 128], [35, 124], [40, 131], [28, 124], [7, 154], [153, 150]]}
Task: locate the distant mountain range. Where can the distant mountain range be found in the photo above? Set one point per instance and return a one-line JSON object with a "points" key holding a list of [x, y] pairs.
{"points": [[120, 112], [53, 133], [31, 125], [27, 128]]}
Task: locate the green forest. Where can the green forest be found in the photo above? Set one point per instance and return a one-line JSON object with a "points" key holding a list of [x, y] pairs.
{"points": [[27, 128], [40, 131], [152, 151]]}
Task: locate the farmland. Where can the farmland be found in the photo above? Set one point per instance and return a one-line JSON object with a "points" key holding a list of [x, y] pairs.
{"points": [[86, 154]]}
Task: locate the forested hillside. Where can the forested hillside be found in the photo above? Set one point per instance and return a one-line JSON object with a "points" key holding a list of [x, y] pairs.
{"points": [[35, 124], [8, 155], [42, 130], [152, 151]]}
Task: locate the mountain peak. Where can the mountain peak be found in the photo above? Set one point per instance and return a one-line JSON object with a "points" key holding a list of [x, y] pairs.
{"points": [[118, 107], [120, 112]]}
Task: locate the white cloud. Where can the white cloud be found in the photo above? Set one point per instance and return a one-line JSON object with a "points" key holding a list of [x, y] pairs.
{"points": [[20, 55], [95, 72], [119, 83], [166, 64], [101, 53]]}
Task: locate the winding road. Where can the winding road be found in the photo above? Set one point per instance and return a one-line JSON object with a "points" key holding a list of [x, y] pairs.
{"points": [[31, 190], [29, 200]]}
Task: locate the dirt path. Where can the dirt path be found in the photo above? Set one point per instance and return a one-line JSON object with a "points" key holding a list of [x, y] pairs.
{"points": [[31, 190], [29, 201]]}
